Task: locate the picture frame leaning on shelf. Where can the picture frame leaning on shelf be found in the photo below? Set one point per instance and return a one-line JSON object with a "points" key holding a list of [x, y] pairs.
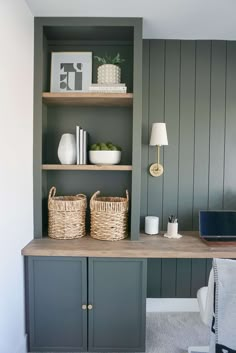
{"points": [[71, 71]]}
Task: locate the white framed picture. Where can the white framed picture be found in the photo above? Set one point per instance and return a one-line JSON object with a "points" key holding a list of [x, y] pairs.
{"points": [[71, 71]]}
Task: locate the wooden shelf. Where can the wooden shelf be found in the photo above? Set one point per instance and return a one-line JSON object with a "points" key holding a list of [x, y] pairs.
{"points": [[88, 99], [86, 167]]}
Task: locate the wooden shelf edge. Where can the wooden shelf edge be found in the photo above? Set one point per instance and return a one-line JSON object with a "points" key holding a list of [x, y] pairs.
{"points": [[87, 167], [87, 98]]}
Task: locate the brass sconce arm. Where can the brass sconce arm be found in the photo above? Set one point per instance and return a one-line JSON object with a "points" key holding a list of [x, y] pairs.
{"points": [[156, 169]]}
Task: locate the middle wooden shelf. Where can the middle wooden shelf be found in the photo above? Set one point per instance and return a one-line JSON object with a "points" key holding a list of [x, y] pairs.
{"points": [[86, 167]]}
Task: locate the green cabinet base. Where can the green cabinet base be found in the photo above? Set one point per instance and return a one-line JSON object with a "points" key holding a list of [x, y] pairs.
{"points": [[80, 304], [57, 289]]}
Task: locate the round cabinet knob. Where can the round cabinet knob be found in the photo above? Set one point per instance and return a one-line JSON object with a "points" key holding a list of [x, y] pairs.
{"points": [[84, 306], [90, 306]]}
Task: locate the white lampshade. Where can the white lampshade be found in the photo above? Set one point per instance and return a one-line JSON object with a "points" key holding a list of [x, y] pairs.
{"points": [[158, 135]]}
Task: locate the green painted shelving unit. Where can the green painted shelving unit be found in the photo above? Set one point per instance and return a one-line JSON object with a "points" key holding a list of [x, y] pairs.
{"points": [[106, 117]]}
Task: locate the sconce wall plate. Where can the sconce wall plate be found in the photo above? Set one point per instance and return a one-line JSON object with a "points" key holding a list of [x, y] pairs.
{"points": [[156, 169]]}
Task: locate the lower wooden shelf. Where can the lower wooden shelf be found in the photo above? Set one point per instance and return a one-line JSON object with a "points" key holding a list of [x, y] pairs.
{"points": [[125, 168]]}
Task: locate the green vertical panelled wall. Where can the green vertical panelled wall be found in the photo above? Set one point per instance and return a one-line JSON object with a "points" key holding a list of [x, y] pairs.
{"points": [[190, 85]]}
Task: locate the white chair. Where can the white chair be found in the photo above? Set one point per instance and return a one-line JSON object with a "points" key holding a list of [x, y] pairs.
{"points": [[205, 297]]}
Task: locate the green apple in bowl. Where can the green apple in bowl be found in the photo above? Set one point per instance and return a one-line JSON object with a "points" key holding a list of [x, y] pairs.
{"points": [[104, 153]]}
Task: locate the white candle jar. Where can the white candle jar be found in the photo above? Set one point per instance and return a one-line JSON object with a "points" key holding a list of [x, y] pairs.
{"points": [[151, 225]]}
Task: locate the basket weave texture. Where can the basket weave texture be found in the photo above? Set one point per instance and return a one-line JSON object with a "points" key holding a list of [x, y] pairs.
{"points": [[109, 217], [66, 215]]}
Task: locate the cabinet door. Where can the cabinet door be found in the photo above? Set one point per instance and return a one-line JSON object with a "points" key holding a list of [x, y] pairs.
{"points": [[117, 293], [57, 291]]}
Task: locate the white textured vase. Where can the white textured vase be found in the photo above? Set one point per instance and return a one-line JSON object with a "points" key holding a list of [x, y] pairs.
{"points": [[109, 73], [67, 149]]}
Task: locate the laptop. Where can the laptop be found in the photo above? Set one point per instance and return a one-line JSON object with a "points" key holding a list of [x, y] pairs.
{"points": [[217, 225]]}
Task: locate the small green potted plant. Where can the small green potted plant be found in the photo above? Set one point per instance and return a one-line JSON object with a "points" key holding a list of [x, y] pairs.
{"points": [[109, 71]]}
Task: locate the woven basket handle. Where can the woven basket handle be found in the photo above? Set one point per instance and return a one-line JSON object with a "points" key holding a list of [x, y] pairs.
{"points": [[52, 192], [95, 195], [127, 195], [81, 195], [93, 198]]}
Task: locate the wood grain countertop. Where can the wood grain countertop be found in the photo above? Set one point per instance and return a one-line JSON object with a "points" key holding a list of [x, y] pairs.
{"points": [[189, 246]]}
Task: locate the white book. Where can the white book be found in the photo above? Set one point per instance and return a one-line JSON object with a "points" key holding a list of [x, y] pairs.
{"points": [[85, 147], [111, 88], [107, 85], [77, 144], [81, 138], [107, 92], [108, 89]]}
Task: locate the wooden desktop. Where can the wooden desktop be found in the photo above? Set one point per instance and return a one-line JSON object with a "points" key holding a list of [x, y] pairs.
{"points": [[148, 246]]}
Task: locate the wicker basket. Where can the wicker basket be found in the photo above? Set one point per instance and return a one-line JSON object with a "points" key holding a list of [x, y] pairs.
{"points": [[109, 217], [66, 215]]}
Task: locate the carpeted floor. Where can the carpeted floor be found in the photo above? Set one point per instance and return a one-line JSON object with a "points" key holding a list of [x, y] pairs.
{"points": [[174, 332]]}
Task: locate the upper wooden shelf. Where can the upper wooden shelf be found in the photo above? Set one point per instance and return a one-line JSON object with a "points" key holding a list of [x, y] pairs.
{"points": [[88, 99], [117, 167]]}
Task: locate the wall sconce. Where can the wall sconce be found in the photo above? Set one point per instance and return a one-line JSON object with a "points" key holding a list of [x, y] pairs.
{"points": [[158, 138]]}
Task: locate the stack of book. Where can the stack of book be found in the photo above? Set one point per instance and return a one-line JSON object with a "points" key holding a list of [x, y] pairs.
{"points": [[81, 145], [108, 88]]}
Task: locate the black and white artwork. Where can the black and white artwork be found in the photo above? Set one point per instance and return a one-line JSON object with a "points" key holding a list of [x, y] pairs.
{"points": [[71, 71]]}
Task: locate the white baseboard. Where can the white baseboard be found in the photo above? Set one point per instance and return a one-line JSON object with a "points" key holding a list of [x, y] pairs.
{"points": [[198, 349], [22, 348], [172, 305]]}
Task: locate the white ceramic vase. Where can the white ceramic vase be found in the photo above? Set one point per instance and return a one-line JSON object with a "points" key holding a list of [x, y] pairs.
{"points": [[67, 149], [108, 73]]}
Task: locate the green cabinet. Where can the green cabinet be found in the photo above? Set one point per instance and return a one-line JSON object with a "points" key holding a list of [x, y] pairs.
{"points": [[57, 289], [79, 304], [117, 291]]}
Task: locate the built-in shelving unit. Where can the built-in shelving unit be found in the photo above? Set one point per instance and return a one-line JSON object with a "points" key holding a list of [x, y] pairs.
{"points": [[89, 283], [115, 117], [125, 168], [89, 99]]}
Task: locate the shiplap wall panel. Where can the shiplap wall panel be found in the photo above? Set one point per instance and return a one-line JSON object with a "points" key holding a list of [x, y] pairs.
{"points": [[198, 275], [156, 113], [145, 131], [183, 278], [192, 87], [230, 128], [201, 129], [171, 117], [168, 278], [186, 141], [154, 278], [217, 125]]}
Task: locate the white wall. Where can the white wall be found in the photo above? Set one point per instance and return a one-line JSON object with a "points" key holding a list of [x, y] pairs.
{"points": [[165, 19], [16, 180]]}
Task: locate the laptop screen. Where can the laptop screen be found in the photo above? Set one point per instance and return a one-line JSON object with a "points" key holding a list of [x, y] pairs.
{"points": [[217, 223]]}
